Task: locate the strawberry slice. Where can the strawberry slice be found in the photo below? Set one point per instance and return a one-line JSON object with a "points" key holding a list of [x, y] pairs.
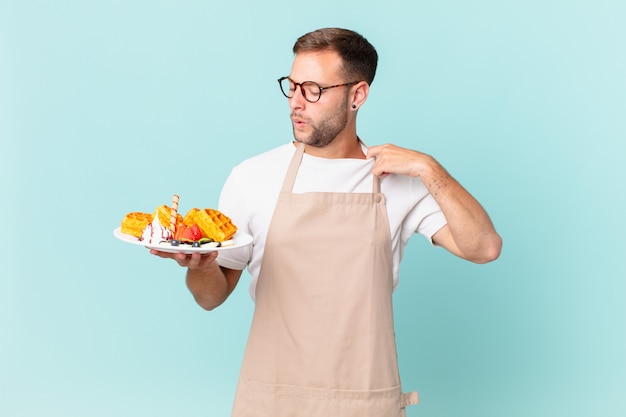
{"points": [[196, 233], [180, 229], [188, 234]]}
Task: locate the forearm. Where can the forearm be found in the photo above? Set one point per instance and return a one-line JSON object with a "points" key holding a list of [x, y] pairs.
{"points": [[469, 225], [208, 285]]}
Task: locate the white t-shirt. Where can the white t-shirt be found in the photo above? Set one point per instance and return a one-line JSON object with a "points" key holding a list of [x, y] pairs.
{"points": [[250, 193]]}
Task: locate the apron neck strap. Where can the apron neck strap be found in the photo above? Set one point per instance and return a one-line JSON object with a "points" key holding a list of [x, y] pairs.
{"points": [[292, 171], [375, 184]]}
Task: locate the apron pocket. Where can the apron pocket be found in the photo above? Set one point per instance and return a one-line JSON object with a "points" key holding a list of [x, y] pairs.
{"points": [[258, 399]]}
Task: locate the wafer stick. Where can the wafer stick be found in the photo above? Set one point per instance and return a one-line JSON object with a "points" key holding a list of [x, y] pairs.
{"points": [[174, 212]]}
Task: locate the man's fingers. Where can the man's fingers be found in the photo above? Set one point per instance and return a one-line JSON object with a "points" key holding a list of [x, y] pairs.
{"points": [[194, 260], [197, 260], [372, 151]]}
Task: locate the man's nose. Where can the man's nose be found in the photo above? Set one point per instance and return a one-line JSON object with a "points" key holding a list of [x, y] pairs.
{"points": [[297, 101]]}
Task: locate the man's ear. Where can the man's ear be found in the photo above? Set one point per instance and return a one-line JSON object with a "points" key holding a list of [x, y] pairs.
{"points": [[361, 90]]}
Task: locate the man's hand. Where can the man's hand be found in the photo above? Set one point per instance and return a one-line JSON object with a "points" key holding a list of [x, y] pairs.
{"points": [[392, 159], [191, 261]]}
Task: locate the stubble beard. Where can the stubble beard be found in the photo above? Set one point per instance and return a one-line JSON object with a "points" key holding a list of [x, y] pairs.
{"points": [[327, 129]]}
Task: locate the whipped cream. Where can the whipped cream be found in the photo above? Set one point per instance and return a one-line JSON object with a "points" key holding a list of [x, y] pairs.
{"points": [[155, 232]]}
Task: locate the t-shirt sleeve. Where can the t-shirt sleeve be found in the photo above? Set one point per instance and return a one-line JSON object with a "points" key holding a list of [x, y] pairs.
{"points": [[432, 218], [431, 225], [232, 203]]}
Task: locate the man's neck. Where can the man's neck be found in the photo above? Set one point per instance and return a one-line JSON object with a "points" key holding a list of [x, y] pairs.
{"points": [[339, 148]]}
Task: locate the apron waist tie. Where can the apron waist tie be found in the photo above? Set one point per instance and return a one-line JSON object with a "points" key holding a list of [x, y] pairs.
{"points": [[409, 398]]}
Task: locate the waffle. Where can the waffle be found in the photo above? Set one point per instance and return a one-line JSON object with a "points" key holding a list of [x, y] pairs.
{"points": [[215, 225], [165, 214], [134, 223], [188, 220]]}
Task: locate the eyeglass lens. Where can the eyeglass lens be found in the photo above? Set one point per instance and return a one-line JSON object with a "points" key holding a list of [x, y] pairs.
{"points": [[310, 90]]}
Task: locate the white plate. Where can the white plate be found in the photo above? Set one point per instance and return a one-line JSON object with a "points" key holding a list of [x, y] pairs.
{"points": [[238, 241]]}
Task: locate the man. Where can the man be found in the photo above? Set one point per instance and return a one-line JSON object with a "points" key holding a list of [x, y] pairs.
{"points": [[330, 219]]}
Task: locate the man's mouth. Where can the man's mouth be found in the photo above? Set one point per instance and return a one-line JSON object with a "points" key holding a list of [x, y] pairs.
{"points": [[298, 121]]}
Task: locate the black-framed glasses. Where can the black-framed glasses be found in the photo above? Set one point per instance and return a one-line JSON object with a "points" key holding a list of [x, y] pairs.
{"points": [[311, 91]]}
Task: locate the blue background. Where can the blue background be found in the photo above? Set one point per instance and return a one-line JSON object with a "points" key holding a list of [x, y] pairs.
{"points": [[108, 107]]}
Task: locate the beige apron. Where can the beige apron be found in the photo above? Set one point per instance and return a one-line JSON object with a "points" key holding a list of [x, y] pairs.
{"points": [[322, 337]]}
